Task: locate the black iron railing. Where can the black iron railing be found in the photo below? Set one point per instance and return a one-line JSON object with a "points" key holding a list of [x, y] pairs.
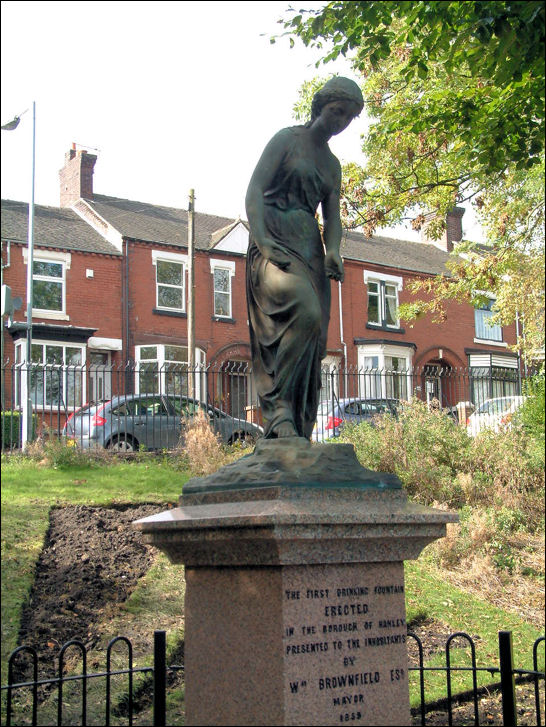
{"points": [[158, 686], [73, 400]]}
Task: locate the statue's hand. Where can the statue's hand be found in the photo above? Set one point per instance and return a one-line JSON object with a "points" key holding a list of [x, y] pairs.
{"points": [[334, 266], [272, 251]]}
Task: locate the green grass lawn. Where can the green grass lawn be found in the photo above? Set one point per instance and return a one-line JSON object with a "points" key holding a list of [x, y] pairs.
{"points": [[429, 596], [29, 491]]}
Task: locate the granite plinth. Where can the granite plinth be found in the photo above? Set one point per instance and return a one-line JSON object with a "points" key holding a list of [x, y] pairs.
{"points": [[294, 607], [293, 526], [296, 645]]}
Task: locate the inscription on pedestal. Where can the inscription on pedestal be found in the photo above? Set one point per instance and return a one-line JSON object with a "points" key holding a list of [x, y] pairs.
{"points": [[344, 645]]}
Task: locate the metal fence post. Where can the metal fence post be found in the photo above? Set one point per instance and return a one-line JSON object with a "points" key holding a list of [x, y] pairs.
{"points": [[160, 679], [508, 686]]}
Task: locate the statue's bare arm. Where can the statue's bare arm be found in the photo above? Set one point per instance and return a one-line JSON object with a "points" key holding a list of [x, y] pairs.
{"points": [[332, 229]]}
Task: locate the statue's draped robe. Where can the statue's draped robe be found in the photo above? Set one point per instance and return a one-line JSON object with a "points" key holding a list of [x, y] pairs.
{"points": [[289, 310]]}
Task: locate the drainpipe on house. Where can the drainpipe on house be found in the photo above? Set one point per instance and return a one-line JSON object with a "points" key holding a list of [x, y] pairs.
{"points": [[519, 355], [129, 371], [126, 302]]}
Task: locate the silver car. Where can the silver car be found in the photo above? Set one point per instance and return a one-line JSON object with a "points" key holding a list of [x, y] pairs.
{"points": [[153, 421], [330, 419]]}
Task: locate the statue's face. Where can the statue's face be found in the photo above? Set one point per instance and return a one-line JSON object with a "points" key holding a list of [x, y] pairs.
{"points": [[336, 116]]}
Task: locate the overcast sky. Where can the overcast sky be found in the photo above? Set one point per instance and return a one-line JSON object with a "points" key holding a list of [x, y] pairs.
{"points": [[169, 95]]}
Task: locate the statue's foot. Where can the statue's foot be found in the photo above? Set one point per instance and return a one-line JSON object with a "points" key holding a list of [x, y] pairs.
{"points": [[285, 429]]}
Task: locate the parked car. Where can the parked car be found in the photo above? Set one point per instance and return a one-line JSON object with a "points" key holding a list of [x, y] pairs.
{"points": [[493, 414], [126, 423], [330, 419]]}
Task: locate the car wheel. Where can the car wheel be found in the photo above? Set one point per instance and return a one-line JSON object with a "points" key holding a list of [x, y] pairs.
{"points": [[122, 443]]}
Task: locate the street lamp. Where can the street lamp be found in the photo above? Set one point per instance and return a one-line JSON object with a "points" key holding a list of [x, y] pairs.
{"points": [[27, 409]]}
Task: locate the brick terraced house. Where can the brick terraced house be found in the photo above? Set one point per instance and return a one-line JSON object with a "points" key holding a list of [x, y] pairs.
{"points": [[110, 287]]}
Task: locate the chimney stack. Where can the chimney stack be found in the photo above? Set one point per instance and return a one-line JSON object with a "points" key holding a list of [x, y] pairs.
{"points": [[76, 177], [452, 233]]}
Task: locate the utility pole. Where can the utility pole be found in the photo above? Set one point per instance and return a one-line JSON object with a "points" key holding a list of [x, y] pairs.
{"points": [[191, 296]]}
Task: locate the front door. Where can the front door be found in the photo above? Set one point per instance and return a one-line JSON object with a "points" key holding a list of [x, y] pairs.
{"points": [[100, 377], [433, 388], [238, 380]]}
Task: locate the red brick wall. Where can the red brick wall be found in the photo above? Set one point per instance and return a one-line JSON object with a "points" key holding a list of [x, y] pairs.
{"points": [[452, 336], [98, 303], [221, 340], [90, 302]]}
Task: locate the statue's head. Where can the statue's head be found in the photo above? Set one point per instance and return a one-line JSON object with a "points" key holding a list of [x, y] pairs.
{"points": [[337, 89]]}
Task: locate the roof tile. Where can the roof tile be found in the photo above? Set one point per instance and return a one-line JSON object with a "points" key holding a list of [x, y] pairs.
{"points": [[53, 227]]}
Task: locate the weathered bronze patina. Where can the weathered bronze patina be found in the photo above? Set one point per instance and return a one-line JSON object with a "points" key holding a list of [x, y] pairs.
{"points": [[290, 262]]}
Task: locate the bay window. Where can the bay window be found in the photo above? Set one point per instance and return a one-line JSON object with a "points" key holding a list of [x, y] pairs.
{"points": [[492, 376], [163, 369], [57, 374], [384, 370], [330, 371]]}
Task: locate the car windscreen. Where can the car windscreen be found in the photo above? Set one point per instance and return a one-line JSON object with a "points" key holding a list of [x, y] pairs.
{"points": [[495, 406]]}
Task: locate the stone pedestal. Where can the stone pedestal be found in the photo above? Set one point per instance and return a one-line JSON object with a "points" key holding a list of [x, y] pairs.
{"points": [[295, 609]]}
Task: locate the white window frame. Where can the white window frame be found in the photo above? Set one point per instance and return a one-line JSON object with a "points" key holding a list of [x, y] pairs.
{"points": [[488, 341], [170, 257], [79, 369], [50, 256], [228, 265], [382, 280], [376, 386], [200, 362]]}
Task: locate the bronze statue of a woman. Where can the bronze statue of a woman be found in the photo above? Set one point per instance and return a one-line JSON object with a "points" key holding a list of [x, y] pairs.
{"points": [[290, 262]]}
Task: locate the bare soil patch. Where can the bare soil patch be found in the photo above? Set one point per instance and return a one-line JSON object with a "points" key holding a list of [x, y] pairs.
{"points": [[91, 562]]}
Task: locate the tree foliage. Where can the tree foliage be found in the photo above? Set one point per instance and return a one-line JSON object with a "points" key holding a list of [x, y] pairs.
{"points": [[491, 52], [455, 92]]}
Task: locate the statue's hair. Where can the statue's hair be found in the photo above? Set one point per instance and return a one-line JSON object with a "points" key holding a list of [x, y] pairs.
{"points": [[336, 89]]}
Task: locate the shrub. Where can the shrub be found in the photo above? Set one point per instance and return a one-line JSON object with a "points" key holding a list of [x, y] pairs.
{"points": [[422, 445], [202, 446], [496, 480], [52, 451], [508, 470], [530, 416], [438, 462], [10, 432]]}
